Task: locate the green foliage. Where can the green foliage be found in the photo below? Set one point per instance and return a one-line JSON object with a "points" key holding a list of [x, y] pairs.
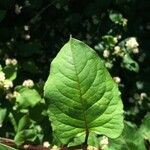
{"points": [[144, 129], [5, 147], [130, 139], [32, 32], [82, 98], [27, 97]]}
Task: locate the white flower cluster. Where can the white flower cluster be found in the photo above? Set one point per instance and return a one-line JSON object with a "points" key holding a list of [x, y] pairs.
{"points": [[9, 61], [5, 83], [2, 76], [10, 96], [132, 43], [104, 142], [28, 83]]}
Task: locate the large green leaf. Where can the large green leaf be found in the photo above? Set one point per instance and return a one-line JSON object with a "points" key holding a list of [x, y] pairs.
{"points": [[81, 95]]}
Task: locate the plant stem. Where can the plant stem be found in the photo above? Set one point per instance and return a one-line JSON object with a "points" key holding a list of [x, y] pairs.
{"points": [[85, 145]]}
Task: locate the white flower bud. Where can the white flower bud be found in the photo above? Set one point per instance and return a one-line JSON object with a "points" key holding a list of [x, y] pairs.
{"points": [[46, 144], [9, 96], [55, 148], [117, 79], [143, 95], [106, 53], [9, 61], [15, 94], [117, 49], [2, 76], [115, 39], [8, 84], [18, 9], [119, 36], [28, 83], [104, 142], [27, 37], [26, 27], [135, 50], [131, 43], [125, 22]]}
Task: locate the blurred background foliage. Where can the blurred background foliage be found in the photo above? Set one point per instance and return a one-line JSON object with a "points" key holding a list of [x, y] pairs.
{"points": [[33, 31]]}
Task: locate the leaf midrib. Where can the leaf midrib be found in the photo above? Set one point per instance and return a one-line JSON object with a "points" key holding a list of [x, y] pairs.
{"points": [[79, 88]]}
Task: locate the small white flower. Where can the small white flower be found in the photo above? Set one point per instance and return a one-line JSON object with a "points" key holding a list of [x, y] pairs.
{"points": [[119, 36], [54, 148], [132, 43], [143, 95], [135, 50], [15, 94], [46, 144], [8, 84], [2, 76], [18, 9], [115, 39], [104, 142], [28, 83], [27, 37], [14, 62], [117, 79], [106, 53], [9, 96], [117, 49], [125, 22], [9, 61], [26, 27]]}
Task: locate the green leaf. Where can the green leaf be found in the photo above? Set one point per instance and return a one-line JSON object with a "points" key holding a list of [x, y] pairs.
{"points": [[130, 139], [10, 72], [129, 63], [145, 127], [27, 131], [3, 112], [2, 14], [115, 17], [28, 97], [81, 95], [5, 147]]}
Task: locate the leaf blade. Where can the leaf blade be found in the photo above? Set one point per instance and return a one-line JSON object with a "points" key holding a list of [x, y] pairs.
{"points": [[78, 91]]}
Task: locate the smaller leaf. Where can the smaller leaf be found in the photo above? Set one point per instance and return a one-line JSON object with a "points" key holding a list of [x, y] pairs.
{"points": [[144, 129], [27, 131], [130, 64], [3, 112], [10, 72], [5, 147], [28, 97], [130, 139], [115, 17]]}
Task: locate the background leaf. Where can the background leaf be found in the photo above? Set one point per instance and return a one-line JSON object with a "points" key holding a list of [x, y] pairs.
{"points": [[144, 128], [130, 139]]}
